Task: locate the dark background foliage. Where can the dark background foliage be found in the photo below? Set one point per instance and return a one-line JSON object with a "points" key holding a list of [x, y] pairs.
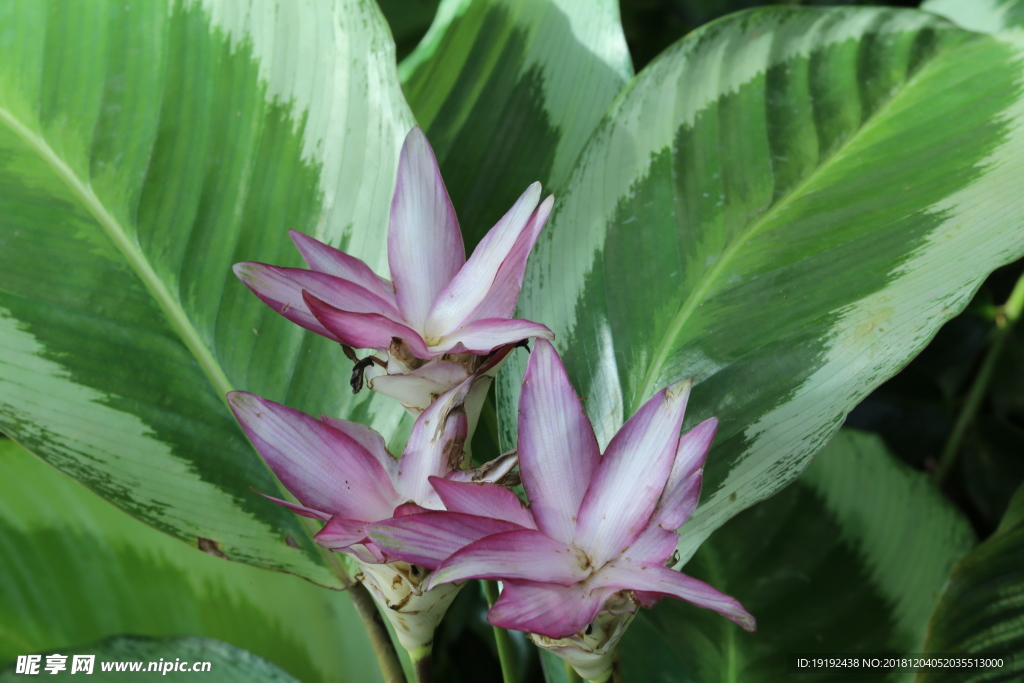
{"points": [[653, 25], [650, 25]]}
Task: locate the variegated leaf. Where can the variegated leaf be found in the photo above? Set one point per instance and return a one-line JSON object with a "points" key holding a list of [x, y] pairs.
{"points": [[988, 16], [144, 148], [508, 92], [786, 205], [78, 570]]}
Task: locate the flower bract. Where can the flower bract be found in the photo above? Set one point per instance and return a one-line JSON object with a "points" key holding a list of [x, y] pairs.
{"points": [[599, 530], [342, 473], [437, 302]]}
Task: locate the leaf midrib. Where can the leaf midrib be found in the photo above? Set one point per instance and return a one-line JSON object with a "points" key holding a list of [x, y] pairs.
{"points": [[172, 309], [131, 251], [691, 303]]}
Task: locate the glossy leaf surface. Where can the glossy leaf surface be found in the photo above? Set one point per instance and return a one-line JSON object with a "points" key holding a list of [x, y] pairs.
{"points": [[851, 558], [144, 148], [226, 662], [786, 206], [77, 570], [508, 92], [981, 611]]}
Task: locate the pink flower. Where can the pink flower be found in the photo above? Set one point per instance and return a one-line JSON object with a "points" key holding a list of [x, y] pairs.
{"points": [[342, 473], [599, 530], [436, 302]]}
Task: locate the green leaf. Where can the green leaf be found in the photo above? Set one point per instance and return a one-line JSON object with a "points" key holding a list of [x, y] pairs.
{"points": [[786, 206], [850, 558], [508, 92], [226, 662], [982, 610], [987, 16], [144, 148], [77, 570]]}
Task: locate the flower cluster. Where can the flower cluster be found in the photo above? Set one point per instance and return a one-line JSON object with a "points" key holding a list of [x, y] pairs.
{"points": [[595, 541], [434, 324]]}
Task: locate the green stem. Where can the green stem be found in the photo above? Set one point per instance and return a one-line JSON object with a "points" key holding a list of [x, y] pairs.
{"points": [[423, 666], [1011, 312], [570, 673], [505, 653], [383, 648]]}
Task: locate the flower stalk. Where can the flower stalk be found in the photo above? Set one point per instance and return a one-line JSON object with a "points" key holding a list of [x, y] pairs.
{"points": [[423, 665], [506, 655], [1005, 321], [383, 648]]}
